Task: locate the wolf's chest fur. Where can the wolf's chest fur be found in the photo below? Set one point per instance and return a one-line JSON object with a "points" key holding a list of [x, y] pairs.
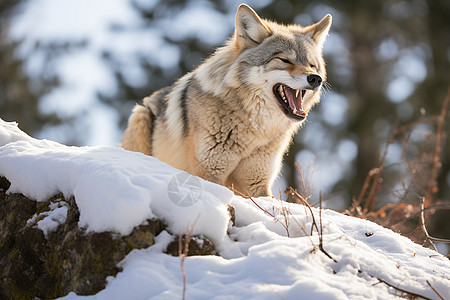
{"points": [[231, 119]]}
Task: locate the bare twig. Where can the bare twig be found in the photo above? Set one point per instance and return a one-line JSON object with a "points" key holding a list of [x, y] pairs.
{"points": [[372, 180], [364, 188], [263, 209], [306, 204], [321, 247], [413, 215], [286, 214], [305, 179], [314, 223], [439, 240], [436, 165], [400, 289], [370, 185], [370, 200], [422, 222], [182, 255], [424, 228], [321, 232], [436, 291], [284, 211], [183, 250], [421, 158]]}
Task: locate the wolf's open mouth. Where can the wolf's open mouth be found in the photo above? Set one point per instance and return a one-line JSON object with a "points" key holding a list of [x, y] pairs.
{"points": [[290, 101]]}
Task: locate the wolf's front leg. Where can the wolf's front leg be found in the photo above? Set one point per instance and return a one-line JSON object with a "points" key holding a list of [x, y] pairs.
{"points": [[214, 162], [254, 175]]}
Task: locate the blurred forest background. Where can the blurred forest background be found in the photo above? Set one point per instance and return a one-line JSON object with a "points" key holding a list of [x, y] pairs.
{"points": [[71, 71]]}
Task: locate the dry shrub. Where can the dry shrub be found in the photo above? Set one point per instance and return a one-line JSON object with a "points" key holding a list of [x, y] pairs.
{"points": [[407, 206]]}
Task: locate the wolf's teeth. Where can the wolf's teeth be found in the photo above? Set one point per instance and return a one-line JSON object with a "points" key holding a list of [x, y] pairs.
{"points": [[296, 93], [281, 90]]}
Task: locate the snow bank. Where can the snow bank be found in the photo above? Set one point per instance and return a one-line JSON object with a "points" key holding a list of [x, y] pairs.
{"points": [[267, 264], [115, 190], [272, 252], [9, 132]]}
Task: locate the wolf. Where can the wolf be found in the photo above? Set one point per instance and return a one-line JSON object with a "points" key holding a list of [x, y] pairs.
{"points": [[232, 118]]}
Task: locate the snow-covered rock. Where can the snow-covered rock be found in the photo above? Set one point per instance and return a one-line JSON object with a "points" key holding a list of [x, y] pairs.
{"points": [[45, 254]]}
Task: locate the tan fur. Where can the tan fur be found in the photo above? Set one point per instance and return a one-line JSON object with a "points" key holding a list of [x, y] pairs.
{"points": [[139, 128], [223, 121]]}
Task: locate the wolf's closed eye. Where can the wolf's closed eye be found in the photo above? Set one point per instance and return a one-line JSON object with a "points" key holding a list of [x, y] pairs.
{"points": [[286, 61]]}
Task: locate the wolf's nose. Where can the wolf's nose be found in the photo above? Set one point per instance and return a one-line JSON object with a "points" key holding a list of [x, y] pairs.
{"points": [[314, 80]]}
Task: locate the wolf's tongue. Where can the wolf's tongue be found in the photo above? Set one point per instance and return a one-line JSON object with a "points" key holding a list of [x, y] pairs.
{"points": [[295, 100]]}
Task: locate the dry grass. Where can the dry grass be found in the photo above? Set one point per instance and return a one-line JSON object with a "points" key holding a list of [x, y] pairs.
{"points": [[183, 251], [284, 211], [414, 201]]}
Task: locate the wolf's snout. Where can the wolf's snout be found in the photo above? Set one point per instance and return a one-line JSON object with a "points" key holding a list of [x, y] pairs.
{"points": [[314, 80]]}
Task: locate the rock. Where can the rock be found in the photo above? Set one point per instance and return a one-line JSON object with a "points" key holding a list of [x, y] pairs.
{"points": [[63, 259], [198, 245], [33, 265], [232, 213]]}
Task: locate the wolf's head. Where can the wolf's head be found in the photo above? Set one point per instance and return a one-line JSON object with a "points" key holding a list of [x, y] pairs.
{"points": [[282, 64]]}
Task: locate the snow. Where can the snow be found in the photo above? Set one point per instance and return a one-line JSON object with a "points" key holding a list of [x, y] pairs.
{"points": [[271, 252], [115, 190], [50, 220]]}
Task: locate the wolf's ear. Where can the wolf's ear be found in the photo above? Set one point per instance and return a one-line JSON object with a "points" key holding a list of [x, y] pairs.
{"points": [[250, 28], [319, 31]]}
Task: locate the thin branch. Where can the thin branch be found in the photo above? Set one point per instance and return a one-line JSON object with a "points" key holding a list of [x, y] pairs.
{"points": [[439, 240], [364, 189], [400, 289], [424, 228], [321, 232], [183, 251], [182, 257], [436, 165], [305, 181], [436, 291], [372, 179], [370, 200], [305, 203], [422, 222], [284, 211], [263, 209]]}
